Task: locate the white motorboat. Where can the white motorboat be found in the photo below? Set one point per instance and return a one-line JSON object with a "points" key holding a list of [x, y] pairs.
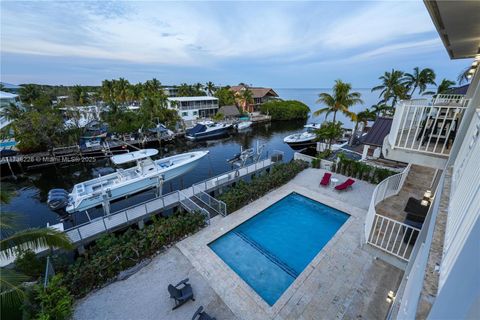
{"points": [[146, 174], [312, 126], [207, 129], [243, 125], [299, 140]]}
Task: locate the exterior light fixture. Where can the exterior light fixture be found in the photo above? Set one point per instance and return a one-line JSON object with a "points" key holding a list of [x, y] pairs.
{"points": [[475, 63], [424, 203], [390, 296], [428, 194]]}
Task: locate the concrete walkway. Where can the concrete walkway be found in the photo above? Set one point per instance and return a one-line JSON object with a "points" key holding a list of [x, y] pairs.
{"points": [[144, 295]]}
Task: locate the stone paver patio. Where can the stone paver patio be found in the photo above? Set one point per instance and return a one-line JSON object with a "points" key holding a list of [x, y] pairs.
{"points": [[144, 295], [343, 281]]}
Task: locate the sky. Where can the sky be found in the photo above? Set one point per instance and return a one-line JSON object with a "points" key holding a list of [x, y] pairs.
{"points": [[276, 44]]}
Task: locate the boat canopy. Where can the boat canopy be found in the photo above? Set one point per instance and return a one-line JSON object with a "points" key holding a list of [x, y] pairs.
{"points": [[133, 156], [198, 128]]}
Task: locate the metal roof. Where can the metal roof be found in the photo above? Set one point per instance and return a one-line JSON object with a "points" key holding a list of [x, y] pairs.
{"points": [[378, 132]]}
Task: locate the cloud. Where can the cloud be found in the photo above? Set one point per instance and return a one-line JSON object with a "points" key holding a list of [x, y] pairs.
{"points": [[215, 34]]}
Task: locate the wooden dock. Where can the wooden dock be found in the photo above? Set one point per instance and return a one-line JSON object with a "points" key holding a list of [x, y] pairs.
{"points": [[194, 198]]}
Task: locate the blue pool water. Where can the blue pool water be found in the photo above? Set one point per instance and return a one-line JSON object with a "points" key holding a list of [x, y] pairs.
{"points": [[271, 249]]}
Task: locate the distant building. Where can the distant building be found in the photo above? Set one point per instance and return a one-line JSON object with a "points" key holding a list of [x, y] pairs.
{"points": [[171, 91], [260, 95], [193, 108]]}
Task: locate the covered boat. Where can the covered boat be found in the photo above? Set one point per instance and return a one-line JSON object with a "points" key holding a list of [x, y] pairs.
{"points": [[207, 129], [146, 174]]}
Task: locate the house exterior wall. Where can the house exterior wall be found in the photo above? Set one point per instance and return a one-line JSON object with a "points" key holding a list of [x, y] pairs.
{"points": [[194, 108]]}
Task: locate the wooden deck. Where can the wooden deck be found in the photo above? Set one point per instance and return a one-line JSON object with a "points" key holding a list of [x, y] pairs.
{"points": [[88, 231]]}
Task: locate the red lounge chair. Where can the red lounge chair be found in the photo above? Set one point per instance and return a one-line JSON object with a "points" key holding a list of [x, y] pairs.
{"points": [[345, 185], [326, 179]]}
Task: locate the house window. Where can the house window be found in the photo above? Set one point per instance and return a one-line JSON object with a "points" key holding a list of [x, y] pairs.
{"points": [[184, 114], [195, 113]]}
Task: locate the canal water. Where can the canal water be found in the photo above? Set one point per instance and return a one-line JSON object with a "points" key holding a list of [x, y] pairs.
{"points": [[30, 190]]}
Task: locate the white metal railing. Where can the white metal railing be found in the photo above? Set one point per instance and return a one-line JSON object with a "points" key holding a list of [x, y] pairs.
{"points": [[427, 127], [392, 236], [407, 297], [218, 206], [189, 205], [385, 233], [448, 98], [464, 205]]}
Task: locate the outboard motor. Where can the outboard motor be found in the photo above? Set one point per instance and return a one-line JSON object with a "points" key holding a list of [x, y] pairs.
{"points": [[57, 199]]}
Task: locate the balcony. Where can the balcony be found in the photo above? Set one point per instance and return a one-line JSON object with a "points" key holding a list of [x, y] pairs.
{"points": [[423, 131]]}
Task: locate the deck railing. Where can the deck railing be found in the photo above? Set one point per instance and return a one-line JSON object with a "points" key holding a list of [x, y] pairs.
{"points": [[190, 205], [218, 206], [385, 233], [427, 127]]}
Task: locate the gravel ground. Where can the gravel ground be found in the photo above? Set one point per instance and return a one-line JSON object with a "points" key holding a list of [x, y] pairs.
{"points": [[144, 295]]}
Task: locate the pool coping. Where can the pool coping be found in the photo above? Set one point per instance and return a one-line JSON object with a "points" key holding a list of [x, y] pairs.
{"points": [[234, 291]]}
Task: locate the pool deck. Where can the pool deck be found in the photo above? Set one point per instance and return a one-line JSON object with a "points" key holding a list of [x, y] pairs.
{"points": [[343, 281]]}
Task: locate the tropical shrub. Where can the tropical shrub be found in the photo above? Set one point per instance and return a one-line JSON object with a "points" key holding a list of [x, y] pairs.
{"points": [[362, 171], [28, 264], [285, 110], [54, 302], [112, 253], [245, 192]]}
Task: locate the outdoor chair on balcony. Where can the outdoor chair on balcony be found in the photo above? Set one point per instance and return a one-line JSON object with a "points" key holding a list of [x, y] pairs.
{"points": [[181, 295], [344, 186], [201, 315], [326, 179]]}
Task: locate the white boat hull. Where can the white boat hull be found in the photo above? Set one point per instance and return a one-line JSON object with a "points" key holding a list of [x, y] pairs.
{"points": [[133, 186]]}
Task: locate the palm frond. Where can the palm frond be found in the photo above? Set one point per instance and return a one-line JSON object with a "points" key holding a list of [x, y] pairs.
{"points": [[11, 290], [8, 220], [34, 239], [320, 111]]}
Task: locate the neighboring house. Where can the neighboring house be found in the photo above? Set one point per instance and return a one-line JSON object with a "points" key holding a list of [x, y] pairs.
{"points": [[171, 91], [229, 112], [6, 98], [193, 108], [459, 90], [375, 136], [260, 95]]}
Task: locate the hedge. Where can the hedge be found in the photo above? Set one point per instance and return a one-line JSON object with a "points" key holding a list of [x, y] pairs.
{"points": [[112, 253], [285, 110], [245, 192], [362, 171]]}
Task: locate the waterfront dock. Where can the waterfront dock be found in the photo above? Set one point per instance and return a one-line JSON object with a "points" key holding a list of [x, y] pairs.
{"points": [[194, 198]]}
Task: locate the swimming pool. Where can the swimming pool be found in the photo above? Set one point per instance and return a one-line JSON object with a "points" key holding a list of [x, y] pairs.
{"points": [[270, 250]]}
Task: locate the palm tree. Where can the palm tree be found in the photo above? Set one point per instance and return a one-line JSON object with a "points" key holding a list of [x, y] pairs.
{"points": [[210, 88], [122, 87], [12, 111], [381, 109], [107, 91], [445, 86], [341, 100], [362, 116], [11, 282], [29, 93], [153, 86], [244, 99], [391, 87], [464, 76], [419, 79]]}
